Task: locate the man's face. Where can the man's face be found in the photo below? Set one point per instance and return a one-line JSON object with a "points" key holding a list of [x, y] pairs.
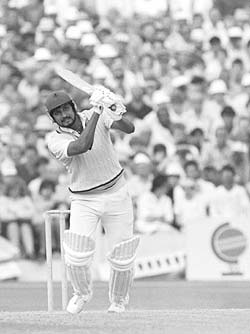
{"points": [[196, 137], [228, 120], [163, 116], [196, 94], [214, 15], [221, 136], [215, 46], [198, 21], [148, 31], [137, 93], [236, 42], [31, 155], [227, 178], [64, 115], [192, 172]]}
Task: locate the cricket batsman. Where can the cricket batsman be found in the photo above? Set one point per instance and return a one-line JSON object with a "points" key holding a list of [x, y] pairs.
{"points": [[98, 192]]}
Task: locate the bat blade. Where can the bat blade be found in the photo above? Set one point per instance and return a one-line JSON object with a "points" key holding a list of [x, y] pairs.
{"points": [[74, 80]]}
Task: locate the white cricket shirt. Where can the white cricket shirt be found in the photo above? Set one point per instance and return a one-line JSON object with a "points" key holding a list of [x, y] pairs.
{"points": [[98, 168]]}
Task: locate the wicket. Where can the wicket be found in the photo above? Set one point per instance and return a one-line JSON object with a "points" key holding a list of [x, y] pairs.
{"points": [[48, 239]]}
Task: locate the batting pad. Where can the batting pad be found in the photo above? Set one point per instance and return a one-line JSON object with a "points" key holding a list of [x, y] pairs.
{"points": [[79, 252], [122, 270]]}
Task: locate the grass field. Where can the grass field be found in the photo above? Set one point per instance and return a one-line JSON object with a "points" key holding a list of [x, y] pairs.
{"points": [[156, 307]]}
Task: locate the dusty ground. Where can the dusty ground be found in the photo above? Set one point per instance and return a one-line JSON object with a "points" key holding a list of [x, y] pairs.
{"points": [[156, 307]]}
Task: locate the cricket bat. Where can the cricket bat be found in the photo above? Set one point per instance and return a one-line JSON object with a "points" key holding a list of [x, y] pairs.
{"points": [[74, 79]]}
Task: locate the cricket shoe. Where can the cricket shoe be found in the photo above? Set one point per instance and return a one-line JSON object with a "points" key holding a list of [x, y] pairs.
{"points": [[76, 303], [116, 308]]}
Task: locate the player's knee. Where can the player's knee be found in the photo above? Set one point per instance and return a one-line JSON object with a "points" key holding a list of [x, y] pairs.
{"points": [[123, 255], [78, 249]]}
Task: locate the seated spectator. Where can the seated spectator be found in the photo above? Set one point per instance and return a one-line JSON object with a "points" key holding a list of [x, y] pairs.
{"points": [[210, 174], [193, 172], [199, 109], [179, 132], [230, 201], [43, 202], [17, 213], [141, 180], [42, 169], [242, 130], [228, 116], [240, 161], [184, 152], [27, 168], [137, 107], [174, 191], [196, 138], [177, 103], [154, 208], [159, 157], [193, 206], [220, 152], [159, 124]]}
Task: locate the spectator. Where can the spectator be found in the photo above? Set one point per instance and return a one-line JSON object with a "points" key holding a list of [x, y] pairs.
{"points": [[26, 168], [143, 173], [43, 172], [159, 124], [193, 207], [154, 208], [159, 157], [17, 213], [197, 138], [220, 152], [44, 201], [137, 108], [210, 174], [228, 116], [199, 109], [230, 201], [193, 172]]}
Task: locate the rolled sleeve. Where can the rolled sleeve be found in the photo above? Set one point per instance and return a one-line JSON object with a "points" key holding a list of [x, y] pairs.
{"points": [[58, 146]]}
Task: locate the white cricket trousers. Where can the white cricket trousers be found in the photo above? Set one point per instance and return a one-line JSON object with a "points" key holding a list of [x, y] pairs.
{"points": [[113, 209]]}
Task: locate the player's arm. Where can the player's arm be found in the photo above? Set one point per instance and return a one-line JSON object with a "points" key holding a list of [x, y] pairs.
{"points": [[86, 139], [123, 125]]}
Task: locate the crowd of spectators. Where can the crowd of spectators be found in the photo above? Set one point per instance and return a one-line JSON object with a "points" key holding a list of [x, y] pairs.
{"points": [[185, 83]]}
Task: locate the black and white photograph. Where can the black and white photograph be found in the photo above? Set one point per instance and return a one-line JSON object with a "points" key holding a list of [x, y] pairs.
{"points": [[125, 166]]}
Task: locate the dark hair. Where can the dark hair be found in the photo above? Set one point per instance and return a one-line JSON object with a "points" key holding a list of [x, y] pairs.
{"points": [[42, 161], [228, 110], [31, 147], [237, 61], [17, 182], [228, 168], [191, 163], [195, 130], [197, 14], [209, 168], [197, 80], [45, 86], [158, 181], [214, 40], [159, 148], [47, 184]]}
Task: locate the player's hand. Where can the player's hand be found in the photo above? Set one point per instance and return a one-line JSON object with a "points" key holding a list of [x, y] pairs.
{"points": [[96, 100], [115, 111], [96, 97]]}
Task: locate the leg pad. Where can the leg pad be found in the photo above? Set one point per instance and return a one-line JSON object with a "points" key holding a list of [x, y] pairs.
{"points": [[122, 270], [79, 252]]}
